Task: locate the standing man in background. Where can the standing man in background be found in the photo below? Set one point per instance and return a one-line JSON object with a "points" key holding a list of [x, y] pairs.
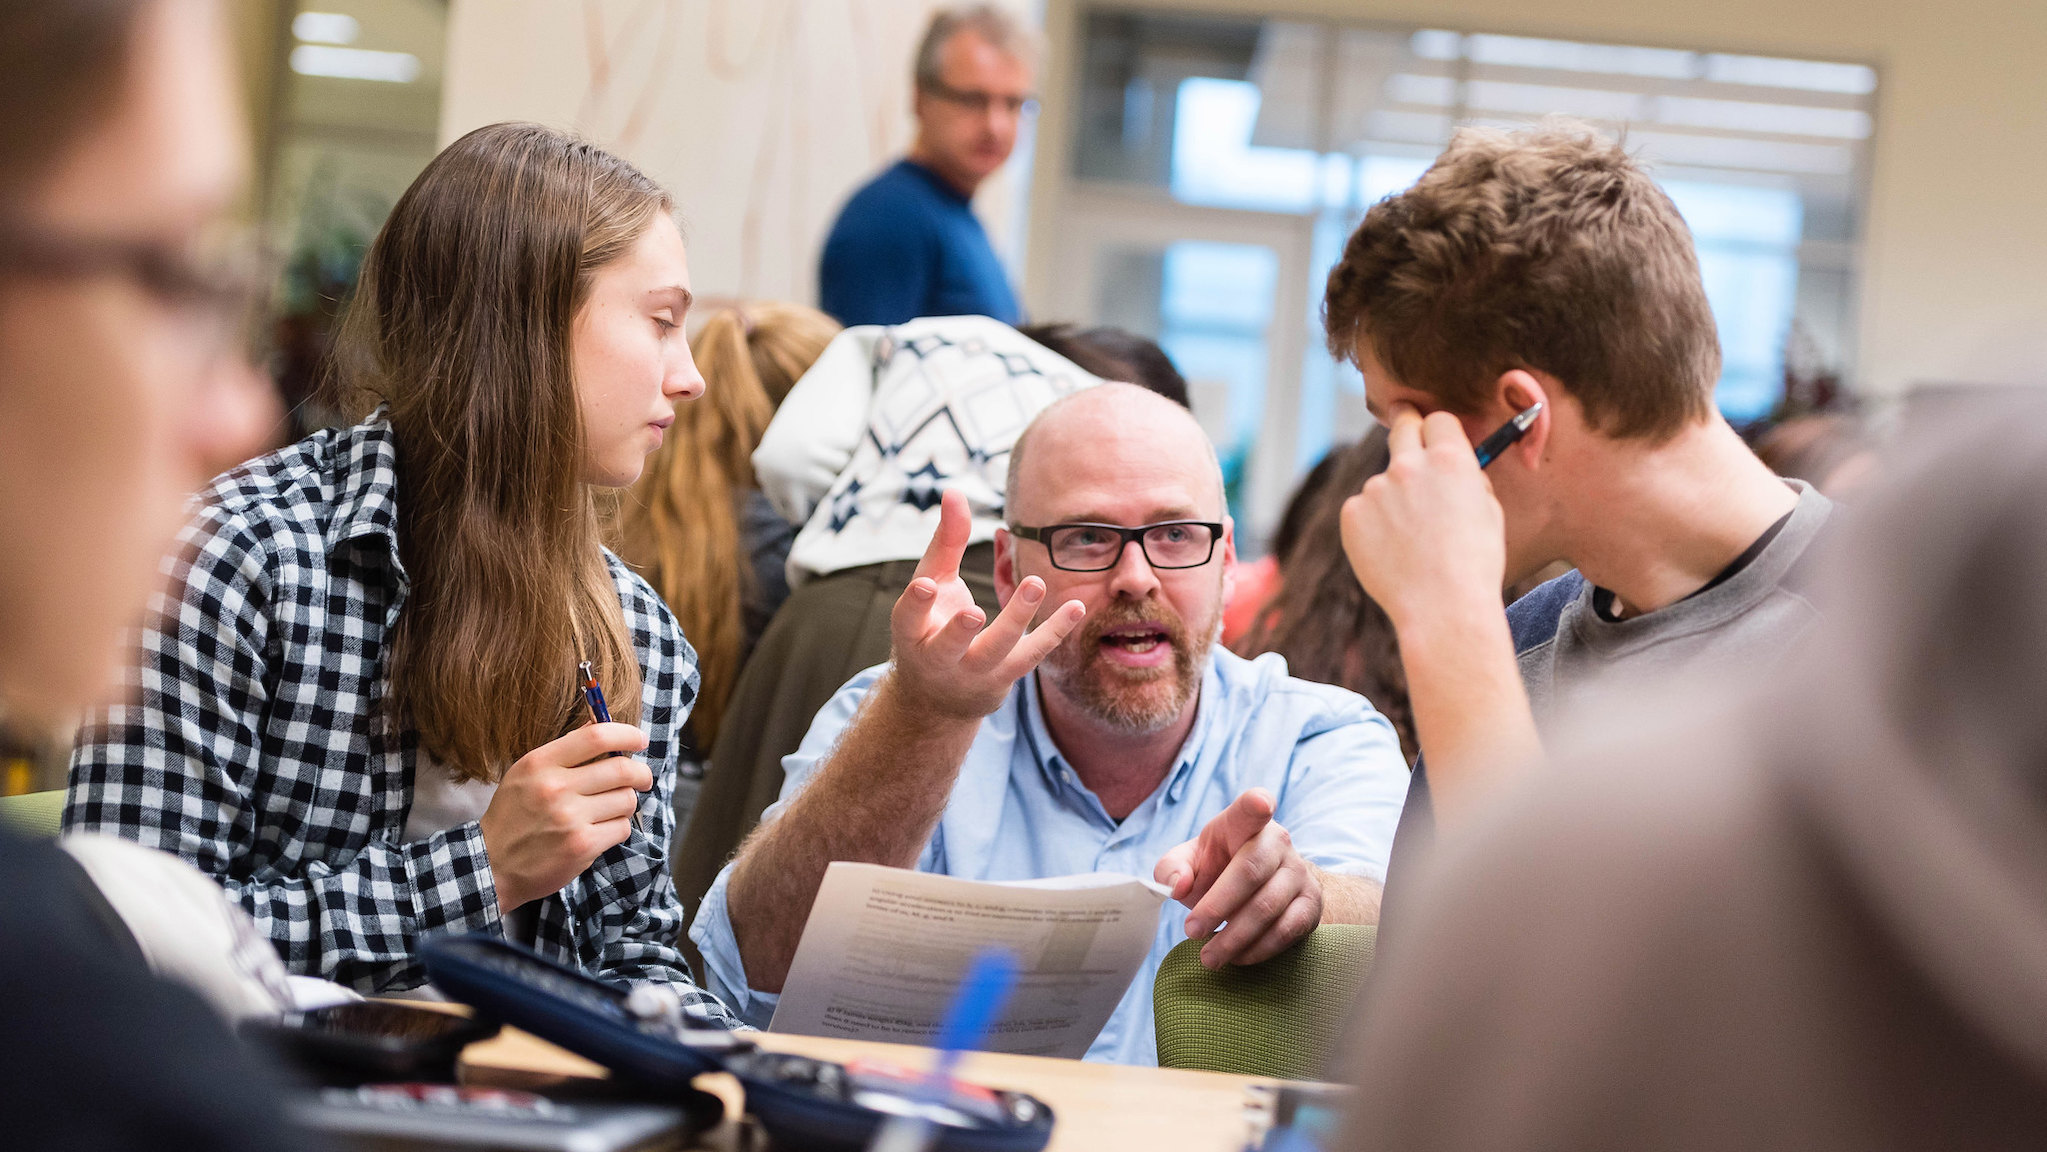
{"points": [[908, 244]]}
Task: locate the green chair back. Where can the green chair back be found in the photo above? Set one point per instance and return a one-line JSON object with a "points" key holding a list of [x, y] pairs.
{"points": [[1280, 1018], [34, 813]]}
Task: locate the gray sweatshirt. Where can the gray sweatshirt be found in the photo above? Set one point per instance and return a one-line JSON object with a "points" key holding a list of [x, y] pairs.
{"points": [[1751, 614]]}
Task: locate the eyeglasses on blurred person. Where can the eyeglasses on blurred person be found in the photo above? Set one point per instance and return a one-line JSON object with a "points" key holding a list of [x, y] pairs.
{"points": [[121, 152]]}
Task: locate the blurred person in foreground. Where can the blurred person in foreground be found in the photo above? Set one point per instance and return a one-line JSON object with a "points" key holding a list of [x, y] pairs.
{"points": [[697, 525], [884, 423], [1801, 913], [121, 390], [908, 243], [1318, 617], [1832, 451], [1545, 267], [1114, 736]]}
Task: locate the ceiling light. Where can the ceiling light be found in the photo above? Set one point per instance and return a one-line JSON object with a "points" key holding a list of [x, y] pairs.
{"points": [[325, 27], [1774, 72], [355, 64]]}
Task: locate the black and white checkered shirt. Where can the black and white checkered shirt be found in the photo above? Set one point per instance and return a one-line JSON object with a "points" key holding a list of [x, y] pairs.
{"points": [[252, 741]]}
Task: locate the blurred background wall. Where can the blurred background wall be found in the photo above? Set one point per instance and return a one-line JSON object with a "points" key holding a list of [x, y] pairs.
{"points": [[760, 115], [1957, 192], [1864, 178]]}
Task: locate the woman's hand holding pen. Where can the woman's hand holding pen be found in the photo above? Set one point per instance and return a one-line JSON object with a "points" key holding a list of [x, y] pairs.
{"points": [[560, 807]]}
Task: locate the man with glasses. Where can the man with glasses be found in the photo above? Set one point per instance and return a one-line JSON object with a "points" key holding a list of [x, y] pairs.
{"points": [[1112, 737], [908, 244]]}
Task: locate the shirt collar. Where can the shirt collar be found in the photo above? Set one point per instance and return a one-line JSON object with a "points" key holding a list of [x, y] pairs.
{"points": [[931, 177], [1053, 767], [366, 484]]}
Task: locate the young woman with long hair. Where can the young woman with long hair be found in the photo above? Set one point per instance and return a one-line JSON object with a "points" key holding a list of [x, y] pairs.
{"points": [[696, 525], [357, 705]]}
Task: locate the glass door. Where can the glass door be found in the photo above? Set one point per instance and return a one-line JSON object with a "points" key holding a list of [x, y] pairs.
{"points": [[1221, 291], [1218, 164]]}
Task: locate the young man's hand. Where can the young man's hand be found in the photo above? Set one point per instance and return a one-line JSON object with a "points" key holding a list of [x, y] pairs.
{"points": [[1243, 872], [1427, 540], [1427, 532], [945, 663]]}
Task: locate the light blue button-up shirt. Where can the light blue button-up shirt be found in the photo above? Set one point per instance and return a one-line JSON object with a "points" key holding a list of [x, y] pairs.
{"points": [[1019, 812]]}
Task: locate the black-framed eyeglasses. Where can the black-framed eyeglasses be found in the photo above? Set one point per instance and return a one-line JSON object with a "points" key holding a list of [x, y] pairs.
{"points": [[217, 297], [1099, 547], [228, 283], [980, 102]]}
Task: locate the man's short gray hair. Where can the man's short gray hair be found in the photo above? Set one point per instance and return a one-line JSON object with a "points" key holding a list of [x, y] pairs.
{"points": [[991, 22]]}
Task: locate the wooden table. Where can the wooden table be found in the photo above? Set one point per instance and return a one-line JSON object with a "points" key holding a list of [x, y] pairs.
{"points": [[1100, 1107]]}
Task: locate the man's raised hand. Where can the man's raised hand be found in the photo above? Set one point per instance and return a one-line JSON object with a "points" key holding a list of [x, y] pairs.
{"points": [[945, 661]]}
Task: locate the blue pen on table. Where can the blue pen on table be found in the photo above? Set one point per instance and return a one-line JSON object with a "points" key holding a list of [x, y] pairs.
{"points": [[982, 993], [600, 712], [1491, 448]]}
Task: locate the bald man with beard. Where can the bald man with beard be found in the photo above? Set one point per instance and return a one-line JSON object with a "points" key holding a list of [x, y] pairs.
{"points": [[1114, 736]]}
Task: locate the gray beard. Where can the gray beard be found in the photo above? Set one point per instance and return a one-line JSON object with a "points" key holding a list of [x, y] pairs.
{"points": [[1136, 705]]}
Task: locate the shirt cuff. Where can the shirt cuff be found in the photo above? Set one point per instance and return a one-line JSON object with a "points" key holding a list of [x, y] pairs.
{"points": [[453, 889], [1348, 866], [724, 970]]}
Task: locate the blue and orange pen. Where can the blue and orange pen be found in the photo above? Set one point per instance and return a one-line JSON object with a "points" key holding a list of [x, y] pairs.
{"points": [[593, 695]]}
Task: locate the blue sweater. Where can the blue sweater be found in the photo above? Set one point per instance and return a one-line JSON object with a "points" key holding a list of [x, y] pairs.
{"points": [[908, 245]]}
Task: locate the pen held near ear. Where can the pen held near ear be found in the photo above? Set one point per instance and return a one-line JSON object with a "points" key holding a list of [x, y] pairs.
{"points": [[1508, 434], [593, 695]]}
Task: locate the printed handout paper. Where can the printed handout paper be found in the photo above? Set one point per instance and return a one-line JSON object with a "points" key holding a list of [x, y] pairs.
{"points": [[885, 948]]}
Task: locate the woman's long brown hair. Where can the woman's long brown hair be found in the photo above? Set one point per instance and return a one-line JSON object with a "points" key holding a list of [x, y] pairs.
{"points": [[679, 526], [461, 325]]}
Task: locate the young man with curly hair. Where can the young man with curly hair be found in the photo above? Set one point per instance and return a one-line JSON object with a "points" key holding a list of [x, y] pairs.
{"points": [[1545, 267]]}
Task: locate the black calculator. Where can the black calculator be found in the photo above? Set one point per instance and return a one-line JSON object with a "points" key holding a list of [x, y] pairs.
{"points": [[585, 1016], [801, 1102]]}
